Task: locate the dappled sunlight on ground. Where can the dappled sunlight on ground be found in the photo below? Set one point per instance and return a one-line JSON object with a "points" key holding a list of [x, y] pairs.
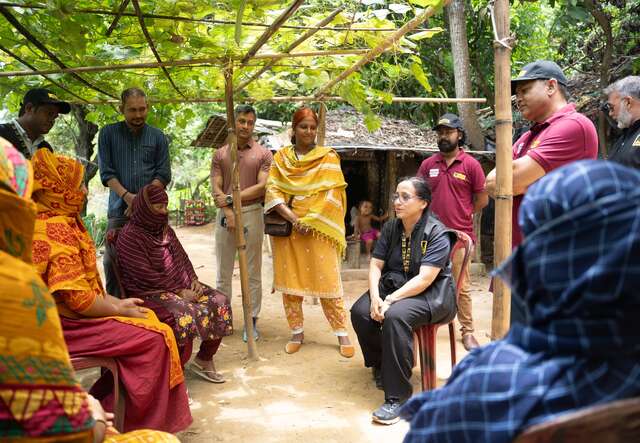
{"points": [[315, 395]]}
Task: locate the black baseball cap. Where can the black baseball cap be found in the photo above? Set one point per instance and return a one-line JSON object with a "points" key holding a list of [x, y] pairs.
{"points": [[41, 96], [539, 70], [450, 121]]}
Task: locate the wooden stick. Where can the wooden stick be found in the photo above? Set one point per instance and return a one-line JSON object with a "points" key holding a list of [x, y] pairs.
{"points": [[30, 37], [192, 63], [116, 19], [241, 243], [53, 82], [386, 44], [290, 48], [204, 20], [298, 99], [271, 30], [147, 36], [504, 172]]}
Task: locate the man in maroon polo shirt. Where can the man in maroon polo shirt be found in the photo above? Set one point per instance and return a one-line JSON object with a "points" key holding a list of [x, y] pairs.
{"points": [[559, 136], [457, 187]]}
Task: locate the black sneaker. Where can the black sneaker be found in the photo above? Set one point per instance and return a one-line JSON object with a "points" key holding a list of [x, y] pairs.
{"points": [[388, 413], [377, 376]]}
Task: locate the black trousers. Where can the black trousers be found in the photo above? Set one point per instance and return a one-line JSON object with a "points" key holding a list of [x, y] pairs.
{"points": [[389, 345], [109, 275]]}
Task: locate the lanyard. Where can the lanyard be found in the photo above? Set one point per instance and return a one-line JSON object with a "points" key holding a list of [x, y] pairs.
{"points": [[406, 252]]}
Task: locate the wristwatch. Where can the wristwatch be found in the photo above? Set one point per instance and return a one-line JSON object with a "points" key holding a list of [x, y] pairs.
{"points": [[228, 200]]}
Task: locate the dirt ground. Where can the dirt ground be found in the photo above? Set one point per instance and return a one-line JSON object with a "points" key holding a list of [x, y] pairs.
{"points": [[315, 395]]}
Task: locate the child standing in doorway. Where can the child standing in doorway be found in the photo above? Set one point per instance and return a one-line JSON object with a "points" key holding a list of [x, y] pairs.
{"points": [[364, 229]]}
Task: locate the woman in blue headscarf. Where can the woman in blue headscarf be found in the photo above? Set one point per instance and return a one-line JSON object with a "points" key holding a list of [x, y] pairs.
{"points": [[576, 277]]}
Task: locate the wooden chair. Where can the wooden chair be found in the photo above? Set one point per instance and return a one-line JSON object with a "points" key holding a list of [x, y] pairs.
{"points": [[118, 389], [427, 334], [615, 422]]}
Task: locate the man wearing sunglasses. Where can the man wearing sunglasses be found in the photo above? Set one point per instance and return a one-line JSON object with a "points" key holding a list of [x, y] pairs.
{"points": [[559, 135], [623, 105]]}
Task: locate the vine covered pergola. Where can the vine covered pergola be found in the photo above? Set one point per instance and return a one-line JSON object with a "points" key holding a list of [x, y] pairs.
{"points": [[202, 51]]}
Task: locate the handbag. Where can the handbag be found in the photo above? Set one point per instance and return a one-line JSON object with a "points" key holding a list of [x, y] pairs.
{"points": [[276, 225]]}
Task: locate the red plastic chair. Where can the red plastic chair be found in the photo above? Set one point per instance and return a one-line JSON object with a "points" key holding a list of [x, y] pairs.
{"points": [[427, 334], [118, 389]]}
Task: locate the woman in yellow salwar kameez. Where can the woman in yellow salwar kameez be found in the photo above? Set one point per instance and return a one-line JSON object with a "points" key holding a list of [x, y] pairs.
{"points": [[40, 399], [306, 187]]}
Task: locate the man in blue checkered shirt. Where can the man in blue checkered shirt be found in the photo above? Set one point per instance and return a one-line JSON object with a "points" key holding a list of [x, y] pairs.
{"points": [[576, 277]]}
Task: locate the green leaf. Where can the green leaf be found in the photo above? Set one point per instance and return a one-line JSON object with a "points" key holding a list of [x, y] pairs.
{"points": [[425, 3], [425, 34], [372, 122], [419, 74]]}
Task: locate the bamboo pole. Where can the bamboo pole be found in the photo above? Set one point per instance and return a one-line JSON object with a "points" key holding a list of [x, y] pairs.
{"points": [[296, 99], [320, 140], [152, 46], [278, 22], [504, 172], [291, 47], [241, 243], [174, 18], [31, 38], [386, 44], [192, 62]]}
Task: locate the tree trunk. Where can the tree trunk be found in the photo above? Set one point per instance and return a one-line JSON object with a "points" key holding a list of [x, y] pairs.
{"points": [[462, 74], [604, 22], [85, 147]]}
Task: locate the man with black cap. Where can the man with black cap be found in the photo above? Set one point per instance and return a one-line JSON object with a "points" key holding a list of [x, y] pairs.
{"points": [[456, 180], [559, 134], [38, 112], [623, 103]]}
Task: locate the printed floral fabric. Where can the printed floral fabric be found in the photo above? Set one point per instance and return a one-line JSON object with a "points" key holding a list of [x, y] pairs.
{"points": [[208, 318]]}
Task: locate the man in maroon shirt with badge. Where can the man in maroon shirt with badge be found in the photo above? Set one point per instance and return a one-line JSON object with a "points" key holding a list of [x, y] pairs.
{"points": [[559, 136], [456, 180]]}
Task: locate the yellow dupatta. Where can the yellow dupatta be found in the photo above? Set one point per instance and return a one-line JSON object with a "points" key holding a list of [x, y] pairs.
{"points": [[64, 253], [318, 187]]}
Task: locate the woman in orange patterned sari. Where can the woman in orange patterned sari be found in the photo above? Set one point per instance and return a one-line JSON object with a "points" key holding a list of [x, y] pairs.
{"points": [[96, 324], [40, 399]]}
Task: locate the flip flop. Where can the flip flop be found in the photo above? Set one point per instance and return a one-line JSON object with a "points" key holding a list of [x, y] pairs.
{"points": [[347, 351], [292, 347], [212, 376]]}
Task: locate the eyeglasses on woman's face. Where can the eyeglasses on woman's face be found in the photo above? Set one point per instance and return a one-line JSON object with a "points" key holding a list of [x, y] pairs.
{"points": [[402, 197]]}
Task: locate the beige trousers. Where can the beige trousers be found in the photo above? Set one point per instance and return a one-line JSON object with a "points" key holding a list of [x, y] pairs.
{"points": [[253, 221], [465, 317]]}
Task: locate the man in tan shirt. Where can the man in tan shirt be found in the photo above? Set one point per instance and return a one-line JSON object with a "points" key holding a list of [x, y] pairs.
{"points": [[254, 162]]}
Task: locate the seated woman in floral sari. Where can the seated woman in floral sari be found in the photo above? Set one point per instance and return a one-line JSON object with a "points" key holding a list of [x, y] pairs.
{"points": [[155, 267], [96, 324], [34, 362]]}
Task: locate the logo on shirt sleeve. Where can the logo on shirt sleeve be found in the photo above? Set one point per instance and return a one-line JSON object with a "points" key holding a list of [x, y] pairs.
{"points": [[459, 175], [434, 172], [535, 144], [636, 142]]}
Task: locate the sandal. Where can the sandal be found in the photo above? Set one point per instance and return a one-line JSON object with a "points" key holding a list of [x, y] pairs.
{"points": [[292, 347], [209, 375], [347, 351]]}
